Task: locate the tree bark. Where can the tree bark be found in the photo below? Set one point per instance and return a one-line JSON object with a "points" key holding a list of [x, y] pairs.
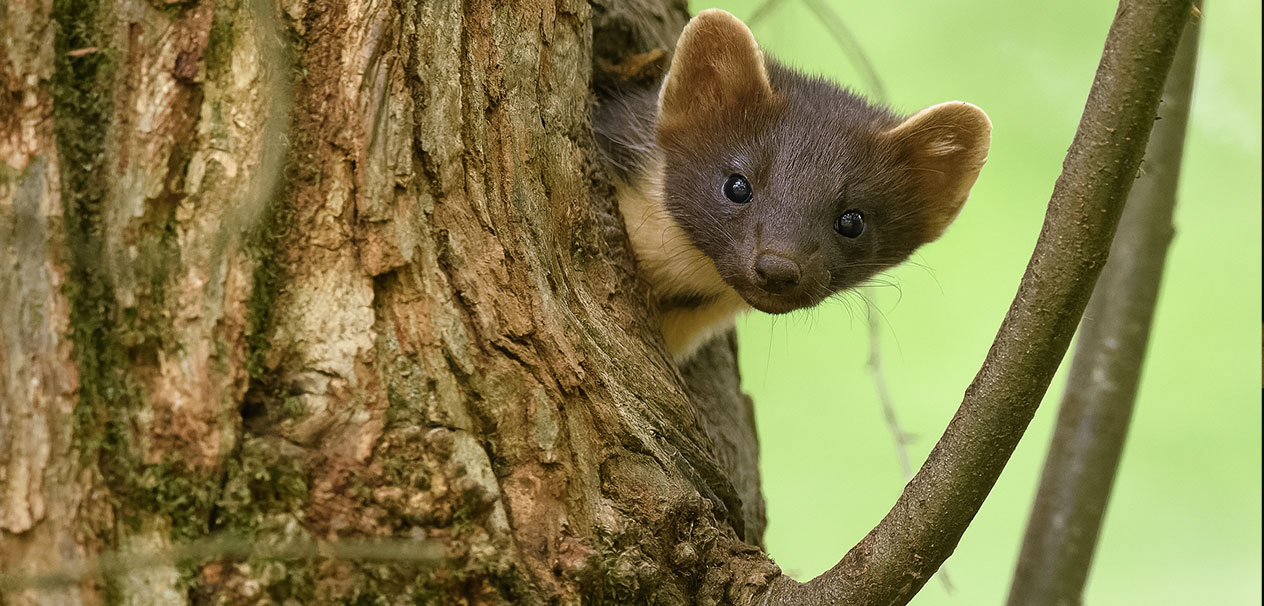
{"points": [[1096, 407], [303, 274], [330, 303], [891, 564]]}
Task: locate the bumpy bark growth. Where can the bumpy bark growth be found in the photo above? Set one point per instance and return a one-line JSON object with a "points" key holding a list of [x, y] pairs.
{"points": [[289, 274]]}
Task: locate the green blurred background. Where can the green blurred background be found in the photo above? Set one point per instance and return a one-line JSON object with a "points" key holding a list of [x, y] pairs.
{"points": [[1183, 526]]}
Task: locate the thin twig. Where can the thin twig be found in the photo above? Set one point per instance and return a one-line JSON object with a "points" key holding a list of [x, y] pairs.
{"points": [[764, 9], [898, 434], [842, 36], [851, 47]]}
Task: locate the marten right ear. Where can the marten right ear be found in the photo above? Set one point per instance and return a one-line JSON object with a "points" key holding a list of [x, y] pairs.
{"points": [[945, 147], [716, 68]]}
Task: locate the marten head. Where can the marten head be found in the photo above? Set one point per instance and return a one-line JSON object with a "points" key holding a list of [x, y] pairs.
{"points": [[794, 187]]}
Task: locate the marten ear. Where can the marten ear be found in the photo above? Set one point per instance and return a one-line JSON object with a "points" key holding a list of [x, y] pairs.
{"points": [[717, 68], [945, 146]]}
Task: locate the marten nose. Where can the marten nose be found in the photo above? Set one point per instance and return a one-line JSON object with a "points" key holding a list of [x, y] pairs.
{"points": [[775, 273]]}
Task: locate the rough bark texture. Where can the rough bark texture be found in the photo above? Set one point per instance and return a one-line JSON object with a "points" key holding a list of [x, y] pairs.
{"points": [[1102, 386], [281, 280], [311, 271]]}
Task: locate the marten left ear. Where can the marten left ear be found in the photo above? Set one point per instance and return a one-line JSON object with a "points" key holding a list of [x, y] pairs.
{"points": [[716, 69], [946, 146]]}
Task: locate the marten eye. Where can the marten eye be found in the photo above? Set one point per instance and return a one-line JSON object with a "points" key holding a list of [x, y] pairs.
{"points": [[850, 223], [737, 189]]}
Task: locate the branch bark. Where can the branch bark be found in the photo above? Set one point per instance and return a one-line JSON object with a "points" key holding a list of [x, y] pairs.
{"points": [[898, 556], [1097, 405]]}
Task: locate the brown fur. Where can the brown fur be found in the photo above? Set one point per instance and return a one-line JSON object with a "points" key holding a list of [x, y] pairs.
{"points": [[717, 65], [948, 143], [811, 152], [694, 301]]}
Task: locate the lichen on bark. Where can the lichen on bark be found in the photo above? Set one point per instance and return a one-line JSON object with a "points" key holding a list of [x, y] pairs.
{"points": [[353, 272]]}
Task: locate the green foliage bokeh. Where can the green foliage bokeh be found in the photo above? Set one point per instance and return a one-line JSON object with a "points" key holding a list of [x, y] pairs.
{"points": [[1183, 526]]}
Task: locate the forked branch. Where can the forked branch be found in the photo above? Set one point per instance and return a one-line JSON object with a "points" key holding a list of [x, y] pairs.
{"points": [[898, 556]]}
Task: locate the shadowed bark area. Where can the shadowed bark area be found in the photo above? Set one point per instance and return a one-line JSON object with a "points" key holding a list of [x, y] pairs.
{"points": [[300, 273], [1102, 387], [898, 556]]}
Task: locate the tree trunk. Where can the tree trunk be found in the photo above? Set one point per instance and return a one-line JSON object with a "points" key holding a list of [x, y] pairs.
{"points": [[330, 303], [306, 275]]}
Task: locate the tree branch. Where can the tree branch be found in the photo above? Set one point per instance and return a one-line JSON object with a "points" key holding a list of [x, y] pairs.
{"points": [[1097, 405], [843, 35], [874, 363], [897, 557]]}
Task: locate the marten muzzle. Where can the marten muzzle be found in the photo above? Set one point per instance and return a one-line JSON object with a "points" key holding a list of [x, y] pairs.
{"points": [[776, 274]]}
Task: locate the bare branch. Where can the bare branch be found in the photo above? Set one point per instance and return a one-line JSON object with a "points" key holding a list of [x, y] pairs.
{"points": [[764, 9], [897, 557], [851, 47], [1097, 405], [842, 36], [898, 434]]}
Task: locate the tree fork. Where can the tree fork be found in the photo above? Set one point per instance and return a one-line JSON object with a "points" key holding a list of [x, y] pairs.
{"points": [[898, 556]]}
